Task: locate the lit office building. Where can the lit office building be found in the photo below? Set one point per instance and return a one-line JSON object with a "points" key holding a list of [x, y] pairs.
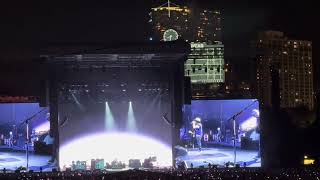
{"points": [[170, 17], [208, 26], [205, 63], [202, 28], [293, 60], [192, 25]]}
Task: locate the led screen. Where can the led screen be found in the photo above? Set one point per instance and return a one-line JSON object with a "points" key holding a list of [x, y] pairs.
{"points": [[209, 129], [117, 134], [13, 137]]}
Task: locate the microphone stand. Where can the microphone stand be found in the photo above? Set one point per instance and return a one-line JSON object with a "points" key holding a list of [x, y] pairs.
{"points": [[27, 121], [233, 118]]}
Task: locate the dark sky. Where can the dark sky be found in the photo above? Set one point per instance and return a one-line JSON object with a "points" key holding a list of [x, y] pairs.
{"points": [[34, 24]]}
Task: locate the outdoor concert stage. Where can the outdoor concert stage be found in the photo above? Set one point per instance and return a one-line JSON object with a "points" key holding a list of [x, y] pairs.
{"points": [[117, 103], [136, 90], [123, 104], [219, 156]]}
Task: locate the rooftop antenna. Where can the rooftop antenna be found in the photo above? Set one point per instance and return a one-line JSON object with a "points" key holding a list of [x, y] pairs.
{"points": [[169, 8]]}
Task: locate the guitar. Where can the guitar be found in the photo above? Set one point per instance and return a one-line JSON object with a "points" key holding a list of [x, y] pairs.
{"points": [[193, 133]]}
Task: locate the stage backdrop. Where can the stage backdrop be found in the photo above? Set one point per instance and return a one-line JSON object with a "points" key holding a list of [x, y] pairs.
{"points": [[115, 130]]}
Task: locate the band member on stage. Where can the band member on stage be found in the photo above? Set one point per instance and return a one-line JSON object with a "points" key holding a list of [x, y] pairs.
{"points": [[11, 139], [34, 137], [217, 136], [197, 131]]}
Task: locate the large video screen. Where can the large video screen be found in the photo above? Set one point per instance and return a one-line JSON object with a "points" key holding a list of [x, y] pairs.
{"points": [[118, 134], [13, 137], [220, 133]]}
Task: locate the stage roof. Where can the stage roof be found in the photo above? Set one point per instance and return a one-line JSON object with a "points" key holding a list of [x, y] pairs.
{"points": [[162, 51], [25, 78]]}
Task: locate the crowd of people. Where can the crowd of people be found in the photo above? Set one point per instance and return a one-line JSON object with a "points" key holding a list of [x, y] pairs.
{"points": [[159, 174]]}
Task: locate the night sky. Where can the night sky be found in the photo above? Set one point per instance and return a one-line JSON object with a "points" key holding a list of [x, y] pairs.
{"points": [[35, 24]]}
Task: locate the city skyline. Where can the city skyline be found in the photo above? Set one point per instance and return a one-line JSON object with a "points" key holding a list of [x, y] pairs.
{"points": [[199, 27], [33, 25], [38, 23], [192, 24]]}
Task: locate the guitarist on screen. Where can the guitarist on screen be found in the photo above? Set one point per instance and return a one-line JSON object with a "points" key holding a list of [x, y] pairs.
{"points": [[197, 131]]}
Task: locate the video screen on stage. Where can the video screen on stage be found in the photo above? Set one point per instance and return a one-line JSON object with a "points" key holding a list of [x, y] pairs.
{"points": [[220, 133], [25, 127], [121, 133]]}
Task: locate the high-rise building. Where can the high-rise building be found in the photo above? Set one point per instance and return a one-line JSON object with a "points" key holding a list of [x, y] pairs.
{"points": [[192, 25], [202, 28], [205, 63], [171, 17], [293, 60], [208, 26]]}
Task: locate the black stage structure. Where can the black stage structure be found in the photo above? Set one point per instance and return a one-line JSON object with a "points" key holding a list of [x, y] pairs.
{"points": [[160, 65]]}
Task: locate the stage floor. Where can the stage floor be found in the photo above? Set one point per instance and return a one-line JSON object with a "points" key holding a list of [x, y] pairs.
{"points": [[12, 160], [219, 156]]}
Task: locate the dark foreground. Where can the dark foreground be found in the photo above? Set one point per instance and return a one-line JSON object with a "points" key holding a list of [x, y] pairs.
{"points": [[238, 173]]}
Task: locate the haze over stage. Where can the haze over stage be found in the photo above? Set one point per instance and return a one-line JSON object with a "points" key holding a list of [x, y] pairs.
{"points": [[120, 146]]}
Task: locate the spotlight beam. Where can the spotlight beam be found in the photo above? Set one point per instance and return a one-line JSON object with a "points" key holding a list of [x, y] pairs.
{"points": [[131, 123], [109, 120], [77, 102]]}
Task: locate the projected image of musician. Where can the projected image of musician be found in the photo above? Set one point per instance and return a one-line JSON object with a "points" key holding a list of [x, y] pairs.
{"points": [[197, 131], [224, 131]]}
